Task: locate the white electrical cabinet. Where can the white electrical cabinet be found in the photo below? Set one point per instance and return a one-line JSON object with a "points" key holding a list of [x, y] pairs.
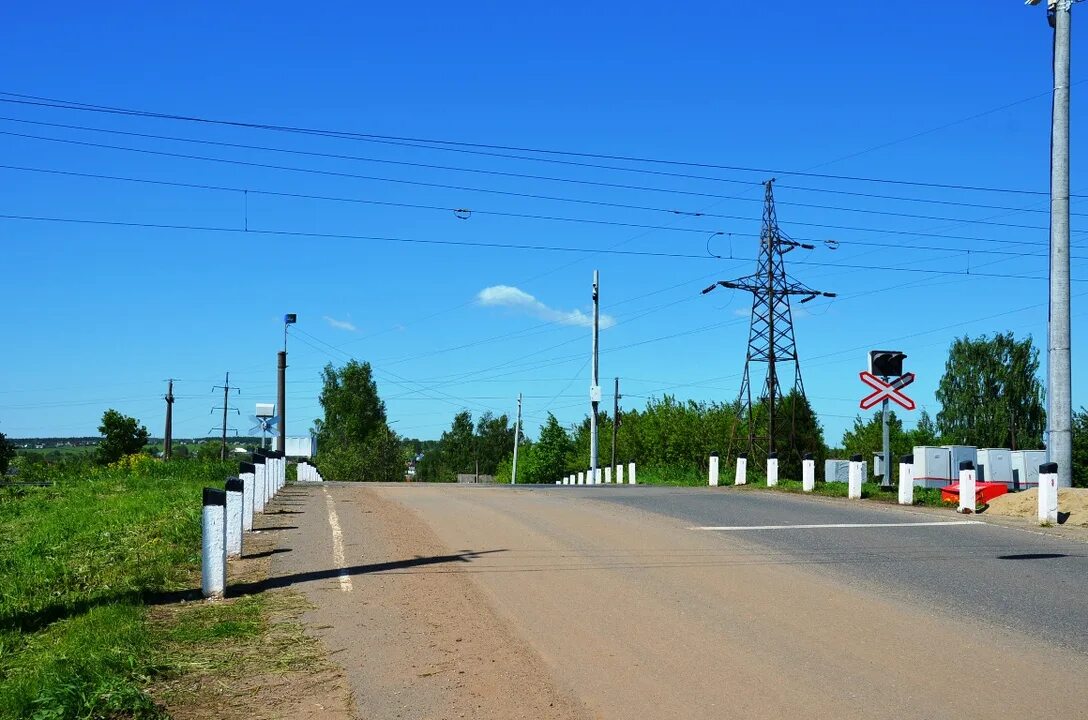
{"points": [[932, 466], [1025, 468], [959, 454], [995, 465], [304, 447]]}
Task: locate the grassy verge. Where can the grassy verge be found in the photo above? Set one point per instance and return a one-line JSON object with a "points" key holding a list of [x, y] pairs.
{"points": [[92, 570]]}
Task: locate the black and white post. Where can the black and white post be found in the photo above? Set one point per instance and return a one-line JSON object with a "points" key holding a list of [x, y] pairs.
{"points": [[247, 473], [213, 551], [234, 510]]}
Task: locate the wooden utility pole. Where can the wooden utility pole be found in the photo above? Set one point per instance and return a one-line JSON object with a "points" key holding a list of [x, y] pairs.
{"points": [[226, 407], [168, 436]]}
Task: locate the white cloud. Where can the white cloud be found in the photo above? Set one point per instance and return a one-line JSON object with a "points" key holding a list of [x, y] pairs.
{"points": [[341, 324], [517, 299]]}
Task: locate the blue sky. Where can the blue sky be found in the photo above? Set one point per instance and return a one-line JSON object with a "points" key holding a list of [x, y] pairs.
{"points": [[100, 315]]}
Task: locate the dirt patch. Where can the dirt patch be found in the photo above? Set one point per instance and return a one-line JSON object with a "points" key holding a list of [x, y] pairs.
{"points": [[1026, 505], [247, 657]]}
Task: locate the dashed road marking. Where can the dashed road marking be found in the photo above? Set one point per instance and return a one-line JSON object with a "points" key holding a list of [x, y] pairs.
{"points": [[337, 544]]}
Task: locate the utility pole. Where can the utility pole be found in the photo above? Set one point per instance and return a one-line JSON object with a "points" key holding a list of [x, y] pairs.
{"points": [[886, 479], [595, 387], [517, 438], [1059, 382], [615, 418], [281, 382], [168, 436], [226, 406]]}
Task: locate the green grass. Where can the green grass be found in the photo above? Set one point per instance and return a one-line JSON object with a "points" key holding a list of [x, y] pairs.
{"points": [[81, 561]]}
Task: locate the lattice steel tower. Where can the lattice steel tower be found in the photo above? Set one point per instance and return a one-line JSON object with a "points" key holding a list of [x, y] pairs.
{"points": [[770, 336]]}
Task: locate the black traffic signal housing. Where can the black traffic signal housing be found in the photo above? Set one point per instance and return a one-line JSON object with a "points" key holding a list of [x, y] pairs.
{"points": [[886, 363]]}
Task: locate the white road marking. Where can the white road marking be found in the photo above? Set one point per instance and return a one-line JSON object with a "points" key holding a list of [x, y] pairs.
{"points": [[838, 525], [337, 544]]}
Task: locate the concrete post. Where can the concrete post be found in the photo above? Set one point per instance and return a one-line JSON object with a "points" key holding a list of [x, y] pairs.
{"points": [[233, 515], [855, 478], [597, 477], [713, 472], [1048, 493], [772, 469], [906, 480], [968, 499], [581, 478], [741, 477], [808, 473], [213, 546], [608, 475], [246, 474], [258, 483], [619, 474], [631, 474]]}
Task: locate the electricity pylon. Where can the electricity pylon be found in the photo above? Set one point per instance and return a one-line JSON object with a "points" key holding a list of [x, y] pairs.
{"points": [[770, 335]]}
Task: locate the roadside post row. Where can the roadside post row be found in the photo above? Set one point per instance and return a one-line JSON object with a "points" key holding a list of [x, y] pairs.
{"points": [[308, 472], [227, 515], [602, 477]]}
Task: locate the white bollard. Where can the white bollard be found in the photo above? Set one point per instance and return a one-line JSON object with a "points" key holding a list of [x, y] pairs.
{"points": [[608, 476], [1048, 493], [631, 474], [713, 478], [906, 480], [581, 478], [808, 473], [968, 498], [741, 477], [213, 555], [245, 474], [258, 483], [619, 474], [855, 478], [597, 476], [772, 469], [233, 514]]}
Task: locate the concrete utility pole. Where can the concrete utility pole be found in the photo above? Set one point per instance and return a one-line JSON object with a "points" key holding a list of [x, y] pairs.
{"points": [[281, 382], [226, 406], [615, 418], [886, 479], [517, 439], [168, 436], [595, 388], [1059, 382]]}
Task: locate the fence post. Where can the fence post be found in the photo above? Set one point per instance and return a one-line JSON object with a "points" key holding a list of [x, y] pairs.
{"points": [[741, 477], [631, 474], [855, 478], [968, 497], [906, 480], [213, 555], [581, 478], [259, 480], [772, 469], [713, 472], [1048, 493], [246, 474], [233, 513], [619, 474], [808, 473]]}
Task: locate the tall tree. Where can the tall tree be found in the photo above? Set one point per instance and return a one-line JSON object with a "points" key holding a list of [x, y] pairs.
{"points": [[551, 454], [990, 393], [121, 435], [494, 441], [7, 452], [458, 446], [1080, 448], [354, 441]]}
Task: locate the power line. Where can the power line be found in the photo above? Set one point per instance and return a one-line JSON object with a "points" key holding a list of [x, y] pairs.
{"points": [[22, 99]]}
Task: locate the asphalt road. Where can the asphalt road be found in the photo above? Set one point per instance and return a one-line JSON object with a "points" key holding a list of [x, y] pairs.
{"points": [[1016, 578], [574, 603]]}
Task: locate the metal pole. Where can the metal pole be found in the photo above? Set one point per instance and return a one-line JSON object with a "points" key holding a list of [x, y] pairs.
{"points": [[615, 418], [517, 438], [281, 396], [1059, 382], [226, 404], [168, 436], [595, 390], [887, 479]]}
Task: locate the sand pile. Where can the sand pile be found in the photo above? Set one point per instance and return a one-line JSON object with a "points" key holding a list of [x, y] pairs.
{"points": [[1026, 504]]}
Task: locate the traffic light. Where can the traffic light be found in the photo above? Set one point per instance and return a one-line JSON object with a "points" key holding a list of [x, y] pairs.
{"points": [[886, 363]]}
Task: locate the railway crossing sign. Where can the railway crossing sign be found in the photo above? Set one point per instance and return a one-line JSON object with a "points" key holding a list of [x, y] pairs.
{"points": [[886, 390]]}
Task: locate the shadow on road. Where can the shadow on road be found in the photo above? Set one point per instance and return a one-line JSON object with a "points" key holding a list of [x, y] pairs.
{"points": [[273, 583]]}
